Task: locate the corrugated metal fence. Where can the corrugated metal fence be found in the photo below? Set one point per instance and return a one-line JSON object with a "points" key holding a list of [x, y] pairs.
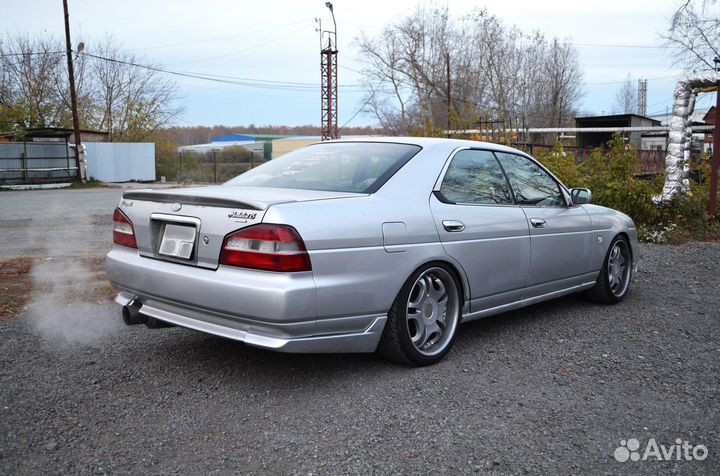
{"points": [[31, 162], [120, 161]]}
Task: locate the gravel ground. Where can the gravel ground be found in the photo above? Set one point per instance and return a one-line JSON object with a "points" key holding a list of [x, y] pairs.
{"points": [[551, 389]]}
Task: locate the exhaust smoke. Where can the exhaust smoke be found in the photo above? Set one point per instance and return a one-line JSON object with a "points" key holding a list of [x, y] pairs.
{"points": [[69, 302]]}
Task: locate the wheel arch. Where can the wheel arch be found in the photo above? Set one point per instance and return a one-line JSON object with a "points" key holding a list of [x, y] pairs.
{"points": [[627, 238], [458, 273]]}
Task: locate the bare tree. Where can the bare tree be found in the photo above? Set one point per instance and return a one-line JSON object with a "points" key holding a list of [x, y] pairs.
{"points": [[626, 98], [117, 92], [133, 98], [694, 35], [563, 81], [30, 68], [427, 71], [388, 96]]}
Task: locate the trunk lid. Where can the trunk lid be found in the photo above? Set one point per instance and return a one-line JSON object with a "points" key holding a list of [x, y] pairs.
{"points": [[188, 225]]}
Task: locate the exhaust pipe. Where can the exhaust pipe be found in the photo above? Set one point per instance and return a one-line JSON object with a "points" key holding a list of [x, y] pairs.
{"points": [[132, 316], [131, 313]]}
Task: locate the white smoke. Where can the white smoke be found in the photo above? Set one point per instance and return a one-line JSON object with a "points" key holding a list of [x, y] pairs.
{"points": [[67, 305]]}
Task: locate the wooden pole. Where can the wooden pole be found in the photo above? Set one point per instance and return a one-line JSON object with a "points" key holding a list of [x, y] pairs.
{"points": [[73, 96]]}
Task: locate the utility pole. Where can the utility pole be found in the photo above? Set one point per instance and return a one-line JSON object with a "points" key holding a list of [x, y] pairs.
{"points": [[328, 78], [73, 96]]}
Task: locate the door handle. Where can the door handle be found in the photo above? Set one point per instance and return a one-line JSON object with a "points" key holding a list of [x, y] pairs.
{"points": [[453, 225], [537, 222]]}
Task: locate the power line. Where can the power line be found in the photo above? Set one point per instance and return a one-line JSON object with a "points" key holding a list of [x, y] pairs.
{"points": [[224, 79], [234, 80], [240, 81], [363, 106], [357, 85], [205, 40], [610, 45], [262, 45], [32, 53], [586, 83], [622, 82]]}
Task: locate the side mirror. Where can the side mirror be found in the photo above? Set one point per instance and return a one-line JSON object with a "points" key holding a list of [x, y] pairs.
{"points": [[580, 196]]}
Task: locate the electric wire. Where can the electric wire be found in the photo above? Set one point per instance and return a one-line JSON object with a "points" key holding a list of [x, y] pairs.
{"points": [[205, 40], [223, 79], [232, 53], [360, 109]]}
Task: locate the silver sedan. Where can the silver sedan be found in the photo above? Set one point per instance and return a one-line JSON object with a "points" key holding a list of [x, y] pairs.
{"points": [[383, 244]]}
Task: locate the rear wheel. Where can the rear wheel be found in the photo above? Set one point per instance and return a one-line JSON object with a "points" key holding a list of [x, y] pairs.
{"points": [[422, 323], [613, 284]]}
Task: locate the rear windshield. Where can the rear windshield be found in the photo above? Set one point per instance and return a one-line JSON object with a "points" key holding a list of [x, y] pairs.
{"points": [[339, 167]]}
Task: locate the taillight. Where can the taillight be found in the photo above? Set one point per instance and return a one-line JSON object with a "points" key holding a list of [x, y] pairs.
{"points": [[123, 231], [266, 247]]}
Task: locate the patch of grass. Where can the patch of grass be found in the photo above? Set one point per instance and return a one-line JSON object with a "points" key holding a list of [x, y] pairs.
{"points": [[90, 183]]}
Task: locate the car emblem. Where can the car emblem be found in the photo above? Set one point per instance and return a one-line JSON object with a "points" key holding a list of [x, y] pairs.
{"points": [[241, 215], [175, 207]]}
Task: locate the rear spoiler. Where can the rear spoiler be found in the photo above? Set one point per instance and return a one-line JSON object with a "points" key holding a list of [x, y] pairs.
{"points": [[189, 200]]}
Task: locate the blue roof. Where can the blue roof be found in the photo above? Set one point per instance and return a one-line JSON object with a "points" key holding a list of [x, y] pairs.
{"points": [[234, 138]]}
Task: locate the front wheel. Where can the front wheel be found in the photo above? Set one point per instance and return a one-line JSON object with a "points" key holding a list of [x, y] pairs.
{"points": [[613, 284], [422, 323]]}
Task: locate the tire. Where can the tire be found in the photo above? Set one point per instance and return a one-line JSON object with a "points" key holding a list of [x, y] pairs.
{"points": [[613, 284], [422, 322]]}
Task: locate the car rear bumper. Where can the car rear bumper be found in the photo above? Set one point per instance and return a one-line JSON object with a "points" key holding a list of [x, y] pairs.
{"points": [[276, 311]]}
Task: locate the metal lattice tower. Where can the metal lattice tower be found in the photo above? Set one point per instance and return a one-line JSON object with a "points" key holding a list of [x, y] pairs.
{"points": [[328, 80], [329, 106], [642, 97]]}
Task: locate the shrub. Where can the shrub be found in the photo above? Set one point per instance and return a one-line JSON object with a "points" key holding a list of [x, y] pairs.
{"points": [[611, 175]]}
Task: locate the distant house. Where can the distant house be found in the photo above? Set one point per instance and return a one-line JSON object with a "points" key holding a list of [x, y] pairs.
{"points": [[654, 140], [658, 140], [56, 134], [598, 139], [62, 133], [267, 146], [709, 119], [283, 146], [234, 138]]}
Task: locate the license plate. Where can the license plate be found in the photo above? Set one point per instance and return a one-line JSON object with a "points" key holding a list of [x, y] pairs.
{"points": [[178, 241]]}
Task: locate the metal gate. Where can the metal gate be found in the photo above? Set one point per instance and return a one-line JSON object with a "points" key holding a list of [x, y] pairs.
{"points": [[37, 162]]}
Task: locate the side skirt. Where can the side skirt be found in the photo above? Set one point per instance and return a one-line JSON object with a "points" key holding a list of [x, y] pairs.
{"points": [[524, 302]]}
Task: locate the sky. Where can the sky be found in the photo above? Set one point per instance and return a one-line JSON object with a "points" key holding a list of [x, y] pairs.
{"points": [[277, 41]]}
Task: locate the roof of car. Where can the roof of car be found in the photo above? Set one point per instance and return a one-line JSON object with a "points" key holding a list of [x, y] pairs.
{"points": [[429, 141]]}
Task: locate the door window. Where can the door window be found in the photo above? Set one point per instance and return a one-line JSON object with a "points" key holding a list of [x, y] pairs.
{"points": [[530, 183], [475, 177]]}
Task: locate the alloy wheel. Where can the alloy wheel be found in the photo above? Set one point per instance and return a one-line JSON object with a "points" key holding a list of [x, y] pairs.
{"points": [[433, 311], [618, 270]]}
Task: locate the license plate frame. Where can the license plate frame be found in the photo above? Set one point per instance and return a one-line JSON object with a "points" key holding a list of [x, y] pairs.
{"points": [[178, 241]]}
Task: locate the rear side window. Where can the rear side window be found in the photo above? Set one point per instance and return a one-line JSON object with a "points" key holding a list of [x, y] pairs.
{"points": [[530, 183], [475, 177], [338, 167]]}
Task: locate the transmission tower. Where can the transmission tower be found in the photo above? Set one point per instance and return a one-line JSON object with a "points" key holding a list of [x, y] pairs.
{"points": [[328, 81], [642, 97]]}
